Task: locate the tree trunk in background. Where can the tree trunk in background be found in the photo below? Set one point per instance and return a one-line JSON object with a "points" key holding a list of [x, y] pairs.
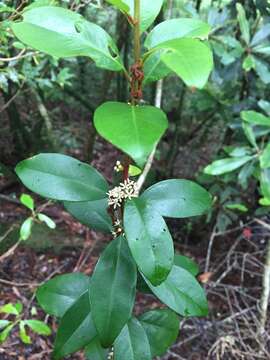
{"points": [[20, 137]]}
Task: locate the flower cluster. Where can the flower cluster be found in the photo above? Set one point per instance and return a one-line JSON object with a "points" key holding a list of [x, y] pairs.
{"points": [[126, 190], [118, 229], [118, 166]]}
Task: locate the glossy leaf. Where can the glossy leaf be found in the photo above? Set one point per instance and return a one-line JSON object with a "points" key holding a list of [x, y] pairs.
{"points": [[179, 260], [255, 118], [112, 290], [236, 206], [121, 5], [190, 59], [178, 198], [238, 151], [264, 202], [4, 324], [265, 157], [57, 295], [182, 293], [134, 170], [47, 220], [27, 201], [260, 35], [26, 228], [11, 309], [161, 327], [38, 327], [149, 240], [94, 350], [262, 49], [154, 68], [23, 334], [61, 177], [243, 23], [93, 214], [265, 183], [177, 28], [265, 106], [76, 329], [5, 333], [187, 264], [63, 33], [223, 166], [250, 135], [249, 63], [133, 129], [132, 343], [149, 11], [262, 69]]}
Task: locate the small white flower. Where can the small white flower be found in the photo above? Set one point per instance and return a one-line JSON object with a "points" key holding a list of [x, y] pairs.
{"points": [[126, 190]]}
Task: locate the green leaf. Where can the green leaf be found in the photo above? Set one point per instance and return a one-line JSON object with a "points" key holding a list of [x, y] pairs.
{"points": [[261, 50], [153, 67], [179, 260], [261, 35], [190, 59], [161, 327], [93, 214], [249, 63], [149, 240], [243, 23], [149, 11], [265, 183], [94, 350], [264, 202], [27, 201], [63, 33], [223, 166], [57, 295], [187, 264], [237, 151], [4, 324], [11, 309], [134, 170], [5, 333], [112, 290], [182, 293], [265, 157], [255, 118], [249, 134], [61, 177], [132, 343], [38, 327], [76, 329], [236, 206], [176, 28], [262, 69], [48, 221], [23, 335], [178, 198], [245, 173], [26, 228], [265, 106], [133, 129], [120, 5]]}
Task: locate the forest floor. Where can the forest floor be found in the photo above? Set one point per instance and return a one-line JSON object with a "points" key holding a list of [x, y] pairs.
{"points": [[231, 265]]}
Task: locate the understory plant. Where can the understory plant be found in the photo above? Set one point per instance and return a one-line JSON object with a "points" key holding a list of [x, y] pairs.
{"points": [[96, 313], [250, 157]]}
